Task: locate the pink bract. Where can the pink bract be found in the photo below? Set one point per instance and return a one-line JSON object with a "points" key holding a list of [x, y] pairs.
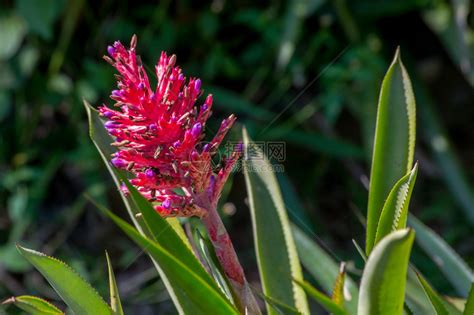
{"points": [[159, 133]]}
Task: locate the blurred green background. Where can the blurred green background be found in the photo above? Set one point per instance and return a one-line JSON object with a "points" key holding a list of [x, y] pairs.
{"points": [[305, 72]]}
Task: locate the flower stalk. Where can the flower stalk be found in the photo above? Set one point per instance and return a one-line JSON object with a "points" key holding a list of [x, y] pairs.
{"points": [[229, 261]]}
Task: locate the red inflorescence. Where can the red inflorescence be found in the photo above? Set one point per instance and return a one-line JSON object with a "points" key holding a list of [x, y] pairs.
{"points": [[159, 134]]}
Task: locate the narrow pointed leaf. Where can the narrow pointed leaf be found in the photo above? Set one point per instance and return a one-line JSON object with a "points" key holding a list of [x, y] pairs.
{"points": [[435, 299], [201, 298], [322, 299], [73, 290], [34, 305], [178, 228], [274, 244], [448, 261], [469, 307], [382, 289], [115, 303], [338, 291], [395, 210], [416, 298], [359, 250], [324, 269], [394, 142], [206, 251]]}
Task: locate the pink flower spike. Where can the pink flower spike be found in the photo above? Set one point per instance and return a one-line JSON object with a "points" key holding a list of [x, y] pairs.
{"points": [[157, 131]]}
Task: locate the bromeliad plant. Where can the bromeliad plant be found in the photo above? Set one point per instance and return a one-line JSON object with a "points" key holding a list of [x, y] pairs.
{"points": [[159, 133], [163, 170]]}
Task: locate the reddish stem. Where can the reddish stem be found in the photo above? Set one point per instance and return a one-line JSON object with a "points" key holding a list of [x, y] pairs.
{"points": [[229, 261]]}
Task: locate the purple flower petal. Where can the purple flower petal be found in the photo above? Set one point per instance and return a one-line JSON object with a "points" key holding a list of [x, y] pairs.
{"points": [[196, 131]]}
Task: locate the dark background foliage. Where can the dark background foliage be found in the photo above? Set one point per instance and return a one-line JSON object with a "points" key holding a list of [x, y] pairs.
{"points": [[303, 72]]}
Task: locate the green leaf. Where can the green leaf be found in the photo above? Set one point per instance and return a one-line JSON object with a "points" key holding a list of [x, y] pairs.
{"points": [[419, 301], [394, 142], [34, 305], [295, 16], [115, 303], [322, 298], [207, 254], [178, 228], [395, 210], [382, 288], [102, 142], [323, 268], [416, 298], [448, 261], [201, 298], [41, 18], [274, 244], [73, 290], [469, 307], [360, 250], [144, 217], [450, 22], [13, 31], [435, 299]]}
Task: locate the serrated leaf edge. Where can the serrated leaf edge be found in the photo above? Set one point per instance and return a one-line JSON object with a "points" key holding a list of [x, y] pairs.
{"points": [[34, 252], [402, 189], [402, 198], [411, 113], [14, 299], [338, 291]]}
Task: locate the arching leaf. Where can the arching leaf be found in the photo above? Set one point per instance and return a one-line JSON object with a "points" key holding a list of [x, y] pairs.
{"points": [[382, 288]]}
